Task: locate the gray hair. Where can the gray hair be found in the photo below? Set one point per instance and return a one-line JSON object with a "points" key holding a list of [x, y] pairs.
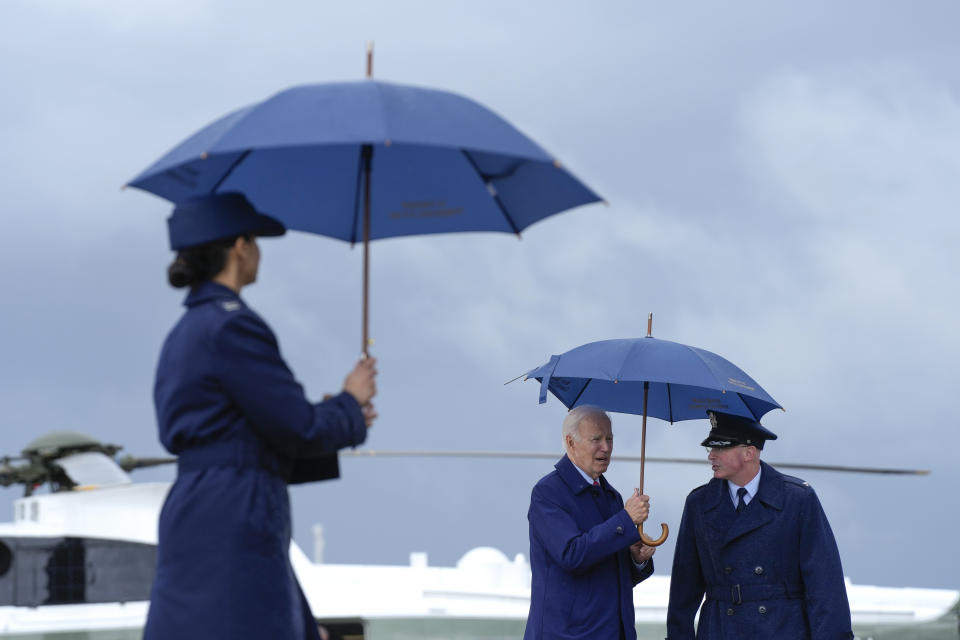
{"points": [[571, 423]]}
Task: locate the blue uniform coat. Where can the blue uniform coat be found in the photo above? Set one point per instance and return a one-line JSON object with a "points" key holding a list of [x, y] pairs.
{"points": [[772, 571], [583, 574], [229, 407]]}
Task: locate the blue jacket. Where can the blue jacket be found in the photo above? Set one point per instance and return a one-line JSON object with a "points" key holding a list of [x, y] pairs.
{"points": [[583, 574], [242, 428], [772, 571]]}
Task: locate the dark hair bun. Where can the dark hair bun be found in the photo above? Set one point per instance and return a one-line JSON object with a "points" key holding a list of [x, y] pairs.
{"points": [[180, 273], [194, 265]]}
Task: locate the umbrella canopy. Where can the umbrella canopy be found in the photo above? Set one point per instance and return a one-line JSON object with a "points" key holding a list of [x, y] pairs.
{"points": [[439, 162], [683, 382], [647, 376], [365, 160]]}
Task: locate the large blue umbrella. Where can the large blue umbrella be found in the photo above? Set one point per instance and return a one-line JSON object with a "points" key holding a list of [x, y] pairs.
{"points": [[651, 377], [365, 160]]}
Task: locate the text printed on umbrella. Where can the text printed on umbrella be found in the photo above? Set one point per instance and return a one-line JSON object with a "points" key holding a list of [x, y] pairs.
{"points": [[425, 209], [707, 403], [740, 383]]}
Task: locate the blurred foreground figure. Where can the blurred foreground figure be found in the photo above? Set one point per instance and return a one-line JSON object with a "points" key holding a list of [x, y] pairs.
{"points": [[242, 429], [758, 545], [585, 551]]}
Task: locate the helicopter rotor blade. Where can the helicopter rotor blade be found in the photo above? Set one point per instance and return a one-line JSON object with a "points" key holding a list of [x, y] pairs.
{"points": [[129, 463], [368, 453]]}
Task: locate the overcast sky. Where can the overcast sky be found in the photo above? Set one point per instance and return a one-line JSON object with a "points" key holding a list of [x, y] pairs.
{"points": [[782, 186]]}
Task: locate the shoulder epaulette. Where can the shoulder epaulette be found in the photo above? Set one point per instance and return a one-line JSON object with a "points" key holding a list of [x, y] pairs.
{"points": [[695, 489], [797, 481]]}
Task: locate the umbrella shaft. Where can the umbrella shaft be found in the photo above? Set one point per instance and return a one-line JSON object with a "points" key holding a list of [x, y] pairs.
{"points": [[643, 433], [367, 156]]}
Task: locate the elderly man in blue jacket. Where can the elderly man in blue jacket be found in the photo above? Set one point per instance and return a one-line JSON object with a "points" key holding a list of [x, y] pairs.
{"points": [[755, 547], [585, 550]]}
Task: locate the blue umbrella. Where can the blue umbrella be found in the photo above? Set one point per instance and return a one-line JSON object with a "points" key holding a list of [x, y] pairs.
{"points": [[365, 160], [647, 376]]}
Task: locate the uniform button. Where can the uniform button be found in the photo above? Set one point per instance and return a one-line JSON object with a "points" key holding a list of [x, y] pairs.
{"points": [[730, 612], [762, 609], [619, 529], [728, 570], [758, 571]]}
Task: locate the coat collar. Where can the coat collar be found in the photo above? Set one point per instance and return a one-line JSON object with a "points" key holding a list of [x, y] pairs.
{"points": [[208, 291], [770, 494], [771, 486], [726, 524], [574, 479], [770, 491]]}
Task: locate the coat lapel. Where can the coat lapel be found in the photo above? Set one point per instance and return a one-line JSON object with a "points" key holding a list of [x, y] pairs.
{"points": [[718, 513], [606, 501], [582, 490], [762, 508]]}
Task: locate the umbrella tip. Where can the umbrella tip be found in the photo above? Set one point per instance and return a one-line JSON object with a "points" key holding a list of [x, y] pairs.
{"points": [[369, 58], [522, 375]]}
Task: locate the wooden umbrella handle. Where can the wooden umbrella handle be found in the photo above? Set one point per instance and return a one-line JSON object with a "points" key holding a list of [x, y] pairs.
{"points": [[650, 542], [664, 529]]}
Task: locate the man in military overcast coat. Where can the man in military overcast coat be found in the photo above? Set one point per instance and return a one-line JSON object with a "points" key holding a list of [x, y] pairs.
{"points": [[757, 544]]}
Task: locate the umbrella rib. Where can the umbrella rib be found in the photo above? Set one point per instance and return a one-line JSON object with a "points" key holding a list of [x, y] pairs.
{"points": [[573, 404], [357, 199], [243, 156], [752, 413], [739, 395], [495, 195], [669, 403]]}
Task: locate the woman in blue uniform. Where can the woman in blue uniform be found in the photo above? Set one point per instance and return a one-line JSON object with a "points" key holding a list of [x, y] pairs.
{"points": [[230, 409]]}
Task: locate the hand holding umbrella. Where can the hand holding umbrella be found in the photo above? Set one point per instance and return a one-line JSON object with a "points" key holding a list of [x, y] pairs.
{"points": [[638, 506], [361, 383]]}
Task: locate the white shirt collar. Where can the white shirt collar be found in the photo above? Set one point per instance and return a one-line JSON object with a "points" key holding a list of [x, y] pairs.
{"points": [[751, 488], [586, 476]]}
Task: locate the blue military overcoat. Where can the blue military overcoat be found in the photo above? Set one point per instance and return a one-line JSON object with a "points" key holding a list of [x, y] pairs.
{"points": [[771, 571], [583, 574], [242, 428]]}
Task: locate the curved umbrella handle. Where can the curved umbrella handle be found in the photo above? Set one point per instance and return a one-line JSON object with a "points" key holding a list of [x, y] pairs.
{"points": [[650, 542]]}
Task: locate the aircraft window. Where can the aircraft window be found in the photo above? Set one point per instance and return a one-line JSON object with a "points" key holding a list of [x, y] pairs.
{"points": [[6, 557], [66, 571], [76, 570], [123, 571]]}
